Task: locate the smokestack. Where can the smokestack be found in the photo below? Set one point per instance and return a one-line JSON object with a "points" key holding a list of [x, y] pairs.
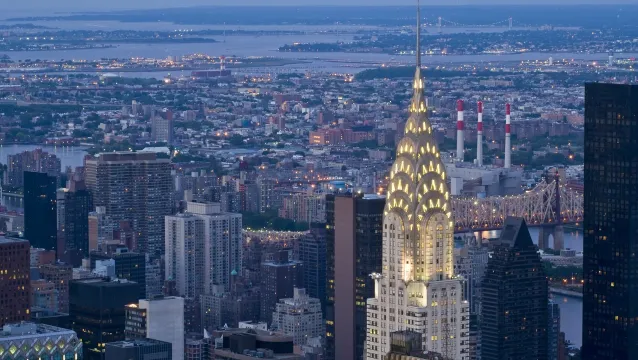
{"points": [[508, 140], [222, 63], [479, 135], [460, 126]]}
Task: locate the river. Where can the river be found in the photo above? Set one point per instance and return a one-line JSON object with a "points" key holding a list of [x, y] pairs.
{"points": [[571, 308]]}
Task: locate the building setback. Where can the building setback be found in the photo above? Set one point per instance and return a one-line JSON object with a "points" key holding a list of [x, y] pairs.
{"points": [[128, 265], [514, 317], [610, 239], [299, 317], [40, 211], [14, 280], [354, 250], [133, 187]]}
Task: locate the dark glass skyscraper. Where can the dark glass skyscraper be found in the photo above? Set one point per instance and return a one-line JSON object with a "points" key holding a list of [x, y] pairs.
{"points": [[97, 312], [514, 298], [40, 218], [73, 206], [128, 265], [354, 249], [610, 265], [312, 254]]}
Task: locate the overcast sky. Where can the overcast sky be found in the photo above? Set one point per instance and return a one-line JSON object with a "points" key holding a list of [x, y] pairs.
{"points": [[80, 5]]}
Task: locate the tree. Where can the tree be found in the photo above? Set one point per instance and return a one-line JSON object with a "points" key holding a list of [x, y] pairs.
{"points": [[236, 140]]}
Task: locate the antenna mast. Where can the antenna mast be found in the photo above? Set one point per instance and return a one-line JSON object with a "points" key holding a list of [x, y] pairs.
{"points": [[418, 33]]}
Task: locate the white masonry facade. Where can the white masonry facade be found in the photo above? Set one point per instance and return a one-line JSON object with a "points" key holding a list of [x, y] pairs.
{"points": [[417, 289]]}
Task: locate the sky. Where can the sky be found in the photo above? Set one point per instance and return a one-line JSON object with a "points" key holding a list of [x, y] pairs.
{"points": [[105, 5]]}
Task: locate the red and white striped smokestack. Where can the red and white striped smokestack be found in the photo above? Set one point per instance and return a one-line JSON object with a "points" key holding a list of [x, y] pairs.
{"points": [[460, 127], [479, 135], [508, 140]]}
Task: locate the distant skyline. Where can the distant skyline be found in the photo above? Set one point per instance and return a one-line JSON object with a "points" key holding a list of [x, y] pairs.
{"points": [[40, 6]]}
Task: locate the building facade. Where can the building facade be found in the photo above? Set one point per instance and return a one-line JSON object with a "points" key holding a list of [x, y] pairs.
{"points": [[203, 248], [514, 316], [417, 289], [40, 211], [312, 254], [354, 251], [141, 349], [299, 317], [33, 161], [60, 275], [165, 321], [610, 239], [27, 340], [14, 280], [73, 207], [303, 207], [133, 187], [128, 265], [279, 277], [97, 310]]}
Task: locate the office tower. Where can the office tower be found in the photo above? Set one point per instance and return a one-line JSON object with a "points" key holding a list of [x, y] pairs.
{"points": [[279, 277], [40, 221], [128, 265], [299, 317], [417, 279], [97, 312], [162, 128], [609, 242], [312, 254], [73, 207], [354, 249], [134, 187], [266, 194], [41, 257], [14, 280], [158, 318], [33, 161], [100, 229], [29, 340], [249, 343], [514, 298], [553, 331], [154, 276], [203, 248], [60, 275], [140, 349]]}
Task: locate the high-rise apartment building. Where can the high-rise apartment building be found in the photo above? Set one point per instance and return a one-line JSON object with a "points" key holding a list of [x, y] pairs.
{"points": [[97, 312], [299, 317], [554, 338], [266, 194], [203, 248], [312, 254], [73, 207], [514, 303], [162, 128], [610, 240], [304, 207], [33, 161], [354, 251], [133, 187], [14, 280], [40, 218], [417, 289], [279, 278]]}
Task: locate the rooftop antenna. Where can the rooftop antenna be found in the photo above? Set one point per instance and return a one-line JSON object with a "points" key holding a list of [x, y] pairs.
{"points": [[418, 33]]}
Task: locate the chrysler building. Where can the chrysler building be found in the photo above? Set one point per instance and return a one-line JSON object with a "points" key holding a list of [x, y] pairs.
{"points": [[417, 289]]}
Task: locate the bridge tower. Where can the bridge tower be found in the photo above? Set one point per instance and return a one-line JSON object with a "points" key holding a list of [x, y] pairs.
{"points": [[555, 228], [510, 22], [438, 24]]}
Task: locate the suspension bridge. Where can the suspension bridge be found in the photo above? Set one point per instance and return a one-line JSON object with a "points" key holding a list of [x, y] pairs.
{"points": [[508, 23], [549, 206]]}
